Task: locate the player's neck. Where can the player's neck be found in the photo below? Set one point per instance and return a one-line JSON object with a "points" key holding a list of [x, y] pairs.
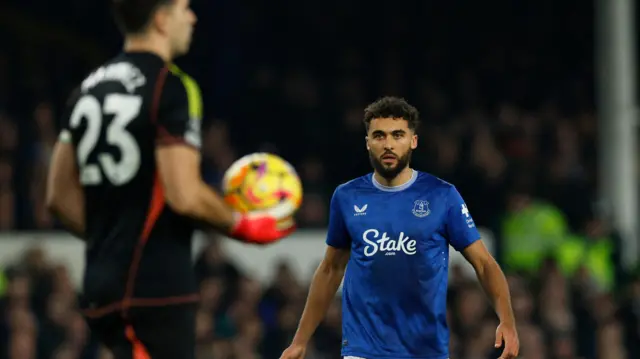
{"points": [[147, 43], [402, 178]]}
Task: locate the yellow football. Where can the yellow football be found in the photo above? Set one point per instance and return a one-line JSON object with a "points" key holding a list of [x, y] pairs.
{"points": [[260, 181]]}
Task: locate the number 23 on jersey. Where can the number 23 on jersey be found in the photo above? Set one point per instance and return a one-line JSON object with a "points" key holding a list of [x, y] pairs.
{"points": [[124, 108]]}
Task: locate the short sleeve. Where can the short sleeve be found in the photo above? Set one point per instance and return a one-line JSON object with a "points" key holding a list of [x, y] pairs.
{"points": [[65, 135], [337, 234], [461, 229], [179, 113]]}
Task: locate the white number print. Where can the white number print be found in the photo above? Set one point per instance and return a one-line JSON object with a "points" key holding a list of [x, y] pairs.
{"points": [[125, 108]]}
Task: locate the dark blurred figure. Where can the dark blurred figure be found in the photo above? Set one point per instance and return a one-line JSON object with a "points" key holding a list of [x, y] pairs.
{"points": [[630, 317], [213, 263]]}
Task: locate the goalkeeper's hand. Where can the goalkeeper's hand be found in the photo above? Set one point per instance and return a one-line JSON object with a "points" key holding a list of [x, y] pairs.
{"points": [[265, 226]]}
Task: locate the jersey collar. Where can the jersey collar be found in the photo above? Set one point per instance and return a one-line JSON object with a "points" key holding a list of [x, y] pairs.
{"points": [[380, 186]]}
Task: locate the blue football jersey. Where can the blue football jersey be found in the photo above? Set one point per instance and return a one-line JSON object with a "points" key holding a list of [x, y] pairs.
{"points": [[395, 285]]}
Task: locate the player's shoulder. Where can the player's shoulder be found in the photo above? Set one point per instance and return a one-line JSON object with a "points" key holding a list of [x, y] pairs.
{"points": [[434, 183], [426, 178], [178, 80], [179, 74], [180, 90], [353, 185]]}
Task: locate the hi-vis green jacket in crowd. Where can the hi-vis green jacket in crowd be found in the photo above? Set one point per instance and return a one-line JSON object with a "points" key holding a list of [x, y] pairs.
{"points": [[594, 254], [531, 235], [3, 283]]}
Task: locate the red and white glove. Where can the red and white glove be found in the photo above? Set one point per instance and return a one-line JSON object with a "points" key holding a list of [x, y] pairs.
{"points": [[264, 227]]}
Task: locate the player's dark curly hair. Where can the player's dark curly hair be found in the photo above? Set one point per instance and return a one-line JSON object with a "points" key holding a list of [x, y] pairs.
{"points": [[133, 16], [392, 107]]}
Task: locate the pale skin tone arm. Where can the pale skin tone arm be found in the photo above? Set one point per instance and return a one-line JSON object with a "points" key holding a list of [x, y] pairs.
{"points": [[185, 192], [65, 196], [324, 285], [495, 285]]}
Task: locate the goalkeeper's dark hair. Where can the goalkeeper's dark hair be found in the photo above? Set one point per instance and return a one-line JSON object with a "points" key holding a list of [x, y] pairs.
{"points": [[133, 16], [392, 107]]}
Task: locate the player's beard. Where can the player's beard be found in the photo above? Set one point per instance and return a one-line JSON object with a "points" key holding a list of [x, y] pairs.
{"points": [[390, 172]]}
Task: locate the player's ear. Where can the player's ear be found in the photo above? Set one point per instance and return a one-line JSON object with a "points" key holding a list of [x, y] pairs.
{"points": [[161, 20], [366, 141], [414, 142]]}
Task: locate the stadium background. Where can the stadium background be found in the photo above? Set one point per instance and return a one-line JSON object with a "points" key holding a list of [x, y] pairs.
{"points": [[508, 98]]}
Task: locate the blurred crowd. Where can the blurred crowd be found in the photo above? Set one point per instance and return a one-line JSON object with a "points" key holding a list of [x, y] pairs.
{"points": [[242, 318], [505, 90]]}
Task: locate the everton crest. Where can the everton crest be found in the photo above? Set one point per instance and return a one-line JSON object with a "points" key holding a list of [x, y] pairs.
{"points": [[421, 208]]}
